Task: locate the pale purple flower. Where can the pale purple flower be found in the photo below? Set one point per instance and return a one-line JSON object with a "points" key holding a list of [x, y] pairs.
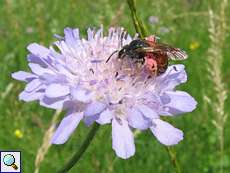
{"points": [[153, 20], [29, 30], [78, 79], [164, 30]]}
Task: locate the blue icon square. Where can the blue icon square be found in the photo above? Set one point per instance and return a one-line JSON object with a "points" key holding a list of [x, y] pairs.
{"points": [[10, 162]]}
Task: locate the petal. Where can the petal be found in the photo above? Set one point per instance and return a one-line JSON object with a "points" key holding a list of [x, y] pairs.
{"points": [[63, 70], [99, 33], [36, 60], [23, 76], [38, 50], [178, 102], [34, 84], [92, 112], [105, 117], [147, 112], [81, 95], [94, 108], [174, 76], [30, 96], [176, 72], [53, 78], [37, 69], [166, 133], [122, 139], [90, 34], [57, 90], [137, 120], [66, 127], [71, 36], [54, 103], [88, 120]]}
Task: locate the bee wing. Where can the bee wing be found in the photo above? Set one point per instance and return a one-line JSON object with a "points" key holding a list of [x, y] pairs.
{"points": [[148, 50], [172, 53]]}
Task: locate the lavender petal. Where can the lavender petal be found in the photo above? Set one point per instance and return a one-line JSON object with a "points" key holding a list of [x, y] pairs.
{"points": [[180, 102], [81, 95], [66, 127], [147, 112], [38, 50], [94, 108], [174, 76], [122, 139], [137, 120], [54, 103], [30, 96], [57, 90], [166, 133], [31, 86], [23, 76], [38, 70], [105, 117]]}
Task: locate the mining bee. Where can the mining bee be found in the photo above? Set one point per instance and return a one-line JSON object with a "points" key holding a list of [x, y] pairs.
{"points": [[152, 55]]}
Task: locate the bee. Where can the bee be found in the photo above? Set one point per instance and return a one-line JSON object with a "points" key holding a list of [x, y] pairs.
{"points": [[152, 55]]}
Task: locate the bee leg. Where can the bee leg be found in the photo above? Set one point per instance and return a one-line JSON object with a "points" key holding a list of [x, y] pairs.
{"points": [[122, 56], [142, 61], [146, 80], [139, 61]]}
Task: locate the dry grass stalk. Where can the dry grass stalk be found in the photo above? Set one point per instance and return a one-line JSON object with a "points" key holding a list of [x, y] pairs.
{"points": [[217, 34], [46, 142]]}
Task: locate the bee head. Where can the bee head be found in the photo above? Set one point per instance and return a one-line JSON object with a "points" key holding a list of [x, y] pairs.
{"points": [[123, 51], [135, 44]]}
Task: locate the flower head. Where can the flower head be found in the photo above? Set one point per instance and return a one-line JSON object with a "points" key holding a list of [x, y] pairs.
{"points": [[18, 133], [78, 79], [194, 45], [153, 20]]}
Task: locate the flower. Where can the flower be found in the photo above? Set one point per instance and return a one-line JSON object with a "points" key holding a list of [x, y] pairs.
{"points": [[29, 30], [77, 78], [18, 133], [153, 20], [194, 45], [164, 30]]}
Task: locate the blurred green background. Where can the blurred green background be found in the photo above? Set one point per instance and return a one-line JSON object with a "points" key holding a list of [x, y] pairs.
{"points": [[183, 23]]}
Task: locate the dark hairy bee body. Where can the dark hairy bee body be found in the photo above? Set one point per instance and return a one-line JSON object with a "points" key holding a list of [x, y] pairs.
{"points": [[130, 50], [154, 56]]}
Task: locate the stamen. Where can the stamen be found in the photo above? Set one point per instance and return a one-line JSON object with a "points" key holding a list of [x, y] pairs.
{"points": [[96, 61], [91, 70], [174, 67], [116, 74], [120, 102]]}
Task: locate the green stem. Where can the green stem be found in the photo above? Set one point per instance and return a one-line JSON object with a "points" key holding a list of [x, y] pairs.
{"points": [[142, 31], [76, 157], [172, 156], [138, 24]]}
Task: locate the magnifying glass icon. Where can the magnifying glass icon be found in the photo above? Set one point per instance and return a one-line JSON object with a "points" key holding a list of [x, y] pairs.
{"points": [[9, 160]]}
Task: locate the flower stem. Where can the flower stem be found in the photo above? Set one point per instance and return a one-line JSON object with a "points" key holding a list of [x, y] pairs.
{"points": [[172, 155], [76, 157], [142, 31], [139, 26]]}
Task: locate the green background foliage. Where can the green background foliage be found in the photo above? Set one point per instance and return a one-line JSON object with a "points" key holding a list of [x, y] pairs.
{"points": [[26, 21]]}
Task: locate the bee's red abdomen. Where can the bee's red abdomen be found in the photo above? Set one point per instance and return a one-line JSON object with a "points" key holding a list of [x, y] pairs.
{"points": [[156, 62], [162, 63], [151, 63]]}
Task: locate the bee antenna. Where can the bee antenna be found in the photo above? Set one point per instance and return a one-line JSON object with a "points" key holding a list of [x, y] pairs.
{"points": [[111, 56]]}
